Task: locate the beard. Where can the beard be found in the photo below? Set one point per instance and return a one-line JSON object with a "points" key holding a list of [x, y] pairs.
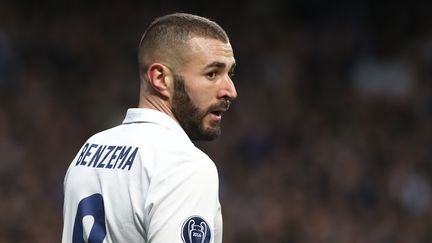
{"points": [[191, 117]]}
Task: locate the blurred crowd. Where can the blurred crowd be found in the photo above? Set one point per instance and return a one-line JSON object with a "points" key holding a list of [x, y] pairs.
{"points": [[330, 139]]}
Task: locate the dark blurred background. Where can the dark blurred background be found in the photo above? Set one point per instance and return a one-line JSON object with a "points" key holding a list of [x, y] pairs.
{"points": [[330, 139]]}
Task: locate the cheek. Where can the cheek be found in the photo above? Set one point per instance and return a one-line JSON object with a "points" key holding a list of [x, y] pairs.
{"points": [[201, 98]]}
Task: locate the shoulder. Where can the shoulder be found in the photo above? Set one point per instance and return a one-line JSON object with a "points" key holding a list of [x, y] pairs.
{"points": [[180, 162], [187, 153]]}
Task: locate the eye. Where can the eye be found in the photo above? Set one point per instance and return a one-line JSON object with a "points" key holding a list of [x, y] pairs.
{"points": [[211, 75]]}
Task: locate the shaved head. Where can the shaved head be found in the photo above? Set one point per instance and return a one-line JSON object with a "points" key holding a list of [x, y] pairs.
{"points": [[166, 40]]}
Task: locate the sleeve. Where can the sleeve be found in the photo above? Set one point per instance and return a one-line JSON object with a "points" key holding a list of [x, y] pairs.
{"points": [[183, 201]]}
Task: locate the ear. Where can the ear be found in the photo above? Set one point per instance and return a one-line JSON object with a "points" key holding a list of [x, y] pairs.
{"points": [[160, 79]]}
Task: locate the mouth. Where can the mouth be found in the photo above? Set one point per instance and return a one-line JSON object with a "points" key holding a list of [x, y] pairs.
{"points": [[217, 111], [216, 114]]}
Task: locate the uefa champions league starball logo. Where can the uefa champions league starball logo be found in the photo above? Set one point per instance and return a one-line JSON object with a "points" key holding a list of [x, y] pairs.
{"points": [[196, 230]]}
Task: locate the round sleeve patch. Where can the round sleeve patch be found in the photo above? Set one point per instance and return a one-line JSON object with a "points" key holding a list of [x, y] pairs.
{"points": [[196, 230]]}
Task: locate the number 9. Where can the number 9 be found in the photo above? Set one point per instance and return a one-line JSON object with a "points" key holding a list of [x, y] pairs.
{"points": [[90, 206]]}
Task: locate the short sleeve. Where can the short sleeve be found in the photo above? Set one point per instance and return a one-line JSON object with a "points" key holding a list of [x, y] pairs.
{"points": [[183, 201]]}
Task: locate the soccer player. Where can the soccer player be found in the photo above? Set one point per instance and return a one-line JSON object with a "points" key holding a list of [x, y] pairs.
{"points": [[144, 180]]}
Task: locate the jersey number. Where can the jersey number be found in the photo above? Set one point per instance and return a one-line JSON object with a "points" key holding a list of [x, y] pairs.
{"points": [[93, 207]]}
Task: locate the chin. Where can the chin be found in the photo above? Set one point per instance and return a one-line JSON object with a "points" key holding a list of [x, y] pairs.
{"points": [[205, 134], [213, 135], [213, 129]]}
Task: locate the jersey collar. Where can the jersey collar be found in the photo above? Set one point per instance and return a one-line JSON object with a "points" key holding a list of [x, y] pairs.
{"points": [[137, 115]]}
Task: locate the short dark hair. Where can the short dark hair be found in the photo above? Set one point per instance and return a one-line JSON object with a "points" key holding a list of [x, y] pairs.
{"points": [[167, 36]]}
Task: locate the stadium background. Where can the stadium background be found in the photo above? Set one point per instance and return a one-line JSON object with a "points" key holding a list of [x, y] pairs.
{"points": [[330, 139]]}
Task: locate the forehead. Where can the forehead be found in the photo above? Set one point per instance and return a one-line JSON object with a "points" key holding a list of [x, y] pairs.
{"points": [[204, 51]]}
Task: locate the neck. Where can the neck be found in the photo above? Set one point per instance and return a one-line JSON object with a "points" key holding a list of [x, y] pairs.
{"points": [[156, 103]]}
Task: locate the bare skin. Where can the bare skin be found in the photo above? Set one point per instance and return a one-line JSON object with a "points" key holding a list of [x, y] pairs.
{"points": [[206, 72]]}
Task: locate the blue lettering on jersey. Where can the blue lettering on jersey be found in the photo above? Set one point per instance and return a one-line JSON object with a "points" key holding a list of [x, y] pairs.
{"points": [[196, 230], [107, 156], [131, 159], [123, 155], [101, 164], [113, 157], [85, 147], [96, 157], [88, 153]]}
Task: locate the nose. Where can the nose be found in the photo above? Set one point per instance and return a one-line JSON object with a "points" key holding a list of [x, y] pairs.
{"points": [[228, 89]]}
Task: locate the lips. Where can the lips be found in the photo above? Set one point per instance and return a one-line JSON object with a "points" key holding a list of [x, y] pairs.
{"points": [[219, 109], [217, 113]]}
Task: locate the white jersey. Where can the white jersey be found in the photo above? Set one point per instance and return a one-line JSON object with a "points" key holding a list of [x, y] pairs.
{"points": [[142, 181]]}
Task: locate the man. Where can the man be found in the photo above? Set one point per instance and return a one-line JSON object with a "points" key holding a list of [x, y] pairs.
{"points": [[144, 180]]}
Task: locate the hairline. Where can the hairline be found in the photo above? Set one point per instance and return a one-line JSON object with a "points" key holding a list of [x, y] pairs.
{"points": [[175, 49]]}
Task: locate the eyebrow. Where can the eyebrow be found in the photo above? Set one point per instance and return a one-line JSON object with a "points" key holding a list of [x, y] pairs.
{"points": [[220, 65]]}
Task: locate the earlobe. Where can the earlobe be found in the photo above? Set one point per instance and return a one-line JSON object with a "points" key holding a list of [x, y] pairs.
{"points": [[159, 78]]}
